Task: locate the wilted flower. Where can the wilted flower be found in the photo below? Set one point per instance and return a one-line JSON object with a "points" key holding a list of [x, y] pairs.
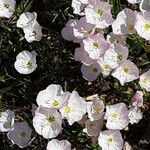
{"points": [[95, 109], [125, 22], [142, 25], [135, 115], [95, 46], [116, 55], [47, 122], [92, 128], [90, 72], [145, 80], [79, 6], [137, 99], [75, 109], [6, 120], [110, 140], [20, 134], [58, 145], [33, 32], [126, 72], [144, 5], [83, 29], [119, 39], [127, 146], [7, 8], [26, 62], [99, 14], [52, 97], [117, 116], [26, 18]]}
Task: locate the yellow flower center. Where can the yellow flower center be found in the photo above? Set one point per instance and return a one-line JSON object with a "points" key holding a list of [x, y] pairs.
{"points": [[22, 134], [145, 81], [130, 27], [6, 5], [119, 57], [147, 26], [33, 33], [50, 119], [91, 125], [126, 70], [67, 109], [95, 70], [95, 45], [106, 67], [114, 116], [55, 103], [110, 140], [100, 12], [29, 64]]}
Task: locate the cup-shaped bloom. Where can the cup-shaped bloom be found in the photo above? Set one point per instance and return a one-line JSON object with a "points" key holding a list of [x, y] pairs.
{"points": [[26, 62], [95, 46], [95, 109], [79, 6], [135, 115], [82, 56], [117, 116], [75, 109], [119, 39], [47, 122], [67, 31], [7, 8], [142, 25], [145, 80], [83, 29], [26, 18], [145, 5], [91, 72], [6, 120], [116, 55], [110, 140], [20, 134], [58, 145], [33, 32], [125, 22], [99, 14], [126, 72], [53, 97], [137, 99], [93, 128]]}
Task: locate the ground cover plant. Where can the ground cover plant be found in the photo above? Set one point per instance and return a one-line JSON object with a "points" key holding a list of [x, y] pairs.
{"points": [[74, 74]]}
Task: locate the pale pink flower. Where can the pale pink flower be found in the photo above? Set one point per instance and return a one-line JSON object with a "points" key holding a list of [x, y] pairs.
{"points": [[142, 25], [67, 31], [126, 72], [145, 80], [20, 134], [99, 14], [145, 5], [82, 56], [52, 97], [47, 122], [113, 38], [117, 116], [75, 109], [90, 72], [95, 45], [127, 146], [83, 29], [58, 145], [125, 22], [110, 140], [137, 99], [116, 55]]}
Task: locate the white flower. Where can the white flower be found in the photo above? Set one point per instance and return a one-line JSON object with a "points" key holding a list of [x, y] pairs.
{"points": [[75, 109], [134, 1], [145, 80], [95, 109], [26, 62], [117, 116], [47, 122], [52, 97], [99, 14], [33, 32], [20, 134], [92, 128], [26, 18], [135, 115], [110, 140], [7, 8], [142, 25], [116, 55], [126, 72], [58, 145], [145, 5], [6, 120]]}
